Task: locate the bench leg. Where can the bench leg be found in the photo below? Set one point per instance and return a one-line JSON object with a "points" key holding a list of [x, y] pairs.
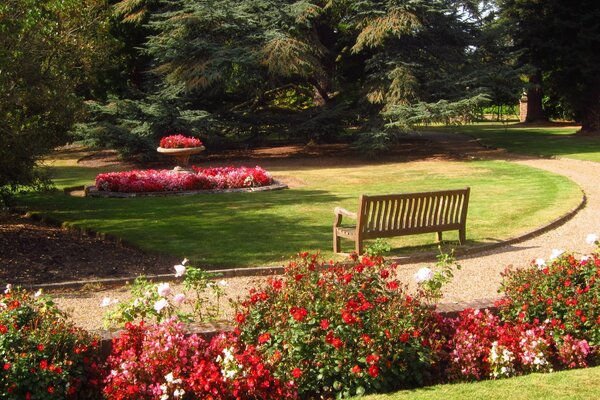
{"points": [[438, 236], [462, 236], [359, 246], [336, 242]]}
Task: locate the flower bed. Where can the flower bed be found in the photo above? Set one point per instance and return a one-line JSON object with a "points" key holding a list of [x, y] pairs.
{"points": [[145, 181], [179, 142], [324, 330]]}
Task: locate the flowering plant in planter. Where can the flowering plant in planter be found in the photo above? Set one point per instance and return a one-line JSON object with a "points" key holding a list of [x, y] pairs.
{"points": [[161, 361], [179, 142], [139, 181], [43, 356], [341, 330]]}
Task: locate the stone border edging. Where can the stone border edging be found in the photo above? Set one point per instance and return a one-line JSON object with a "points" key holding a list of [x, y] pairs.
{"points": [[92, 191], [278, 269]]}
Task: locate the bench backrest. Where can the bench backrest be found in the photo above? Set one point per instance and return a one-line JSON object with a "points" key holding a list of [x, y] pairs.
{"points": [[408, 213]]}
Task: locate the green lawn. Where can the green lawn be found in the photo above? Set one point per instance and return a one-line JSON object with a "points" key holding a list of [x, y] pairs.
{"points": [[577, 384], [546, 142], [250, 229]]}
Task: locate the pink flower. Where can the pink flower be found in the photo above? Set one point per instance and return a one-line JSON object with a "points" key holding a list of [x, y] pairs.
{"points": [[164, 289], [160, 304], [179, 298]]}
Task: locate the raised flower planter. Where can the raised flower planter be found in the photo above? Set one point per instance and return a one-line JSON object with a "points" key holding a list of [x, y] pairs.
{"points": [[196, 180], [181, 148]]}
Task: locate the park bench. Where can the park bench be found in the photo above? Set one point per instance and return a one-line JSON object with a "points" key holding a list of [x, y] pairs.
{"points": [[402, 214]]}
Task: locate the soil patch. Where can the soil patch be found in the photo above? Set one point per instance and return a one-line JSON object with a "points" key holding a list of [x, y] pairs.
{"points": [[32, 252]]}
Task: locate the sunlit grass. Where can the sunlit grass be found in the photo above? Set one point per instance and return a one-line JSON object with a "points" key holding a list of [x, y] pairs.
{"points": [[249, 229]]}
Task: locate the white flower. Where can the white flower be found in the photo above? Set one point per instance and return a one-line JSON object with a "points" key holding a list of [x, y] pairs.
{"points": [[38, 293], [584, 259], [179, 298], [179, 270], [592, 238], [556, 253], [107, 301], [223, 283], [169, 377], [178, 392], [160, 304], [423, 275], [540, 262], [8, 288], [164, 289]]}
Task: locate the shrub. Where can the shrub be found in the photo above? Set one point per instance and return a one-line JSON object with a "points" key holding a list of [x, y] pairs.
{"points": [[341, 330], [160, 361], [43, 356], [563, 292]]}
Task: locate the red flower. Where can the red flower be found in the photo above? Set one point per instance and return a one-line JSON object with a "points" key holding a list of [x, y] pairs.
{"points": [[393, 285], [6, 366], [567, 283], [298, 313], [337, 343], [50, 389], [366, 338], [356, 369], [44, 364], [297, 373], [374, 371], [40, 347], [324, 324], [240, 318], [264, 338], [3, 329], [404, 337], [372, 358]]}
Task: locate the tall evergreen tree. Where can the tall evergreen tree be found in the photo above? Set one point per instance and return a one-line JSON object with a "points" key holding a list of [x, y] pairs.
{"points": [[560, 38]]}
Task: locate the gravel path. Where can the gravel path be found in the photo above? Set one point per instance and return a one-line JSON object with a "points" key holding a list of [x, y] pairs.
{"points": [[479, 279]]}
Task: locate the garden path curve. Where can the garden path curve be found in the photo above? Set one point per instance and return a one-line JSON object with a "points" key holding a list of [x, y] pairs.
{"points": [[479, 278]]}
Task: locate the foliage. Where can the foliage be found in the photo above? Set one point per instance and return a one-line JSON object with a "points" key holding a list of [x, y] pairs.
{"points": [[341, 330], [161, 361], [249, 70], [42, 356], [550, 36], [51, 53], [562, 291], [173, 181], [157, 301]]}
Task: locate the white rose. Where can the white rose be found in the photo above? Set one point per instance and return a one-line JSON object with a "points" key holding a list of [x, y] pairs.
{"points": [[423, 275]]}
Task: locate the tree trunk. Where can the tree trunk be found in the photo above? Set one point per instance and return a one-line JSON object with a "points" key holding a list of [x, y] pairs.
{"points": [[535, 112], [591, 119]]}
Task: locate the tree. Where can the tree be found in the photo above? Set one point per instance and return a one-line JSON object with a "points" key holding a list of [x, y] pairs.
{"points": [[49, 54], [560, 39], [301, 68]]}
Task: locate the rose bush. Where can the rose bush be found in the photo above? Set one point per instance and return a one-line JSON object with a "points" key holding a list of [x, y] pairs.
{"points": [[179, 142], [564, 292], [341, 330], [139, 181], [42, 355]]}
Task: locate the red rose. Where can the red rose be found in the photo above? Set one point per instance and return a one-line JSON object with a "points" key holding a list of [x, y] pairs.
{"points": [[356, 369], [240, 318], [264, 338], [297, 373], [404, 337], [324, 324], [374, 371]]}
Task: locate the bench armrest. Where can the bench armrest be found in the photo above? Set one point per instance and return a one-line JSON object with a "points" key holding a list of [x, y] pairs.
{"points": [[343, 211]]}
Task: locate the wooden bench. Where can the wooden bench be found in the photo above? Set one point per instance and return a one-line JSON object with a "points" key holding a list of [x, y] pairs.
{"points": [[403, 214]]}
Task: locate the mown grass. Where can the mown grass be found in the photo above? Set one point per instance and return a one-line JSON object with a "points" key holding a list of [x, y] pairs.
{"points": [[572, 385], [558, 141], [249, 229]]}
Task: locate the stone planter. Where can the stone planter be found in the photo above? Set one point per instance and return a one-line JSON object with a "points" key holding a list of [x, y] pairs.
{"points": [[181, 155]]}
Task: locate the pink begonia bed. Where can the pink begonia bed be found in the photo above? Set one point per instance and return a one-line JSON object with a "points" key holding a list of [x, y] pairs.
{"points": [[164, 182]]}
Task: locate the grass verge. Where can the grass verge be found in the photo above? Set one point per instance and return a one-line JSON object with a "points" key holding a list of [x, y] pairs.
{"points": [[572, 385]]}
